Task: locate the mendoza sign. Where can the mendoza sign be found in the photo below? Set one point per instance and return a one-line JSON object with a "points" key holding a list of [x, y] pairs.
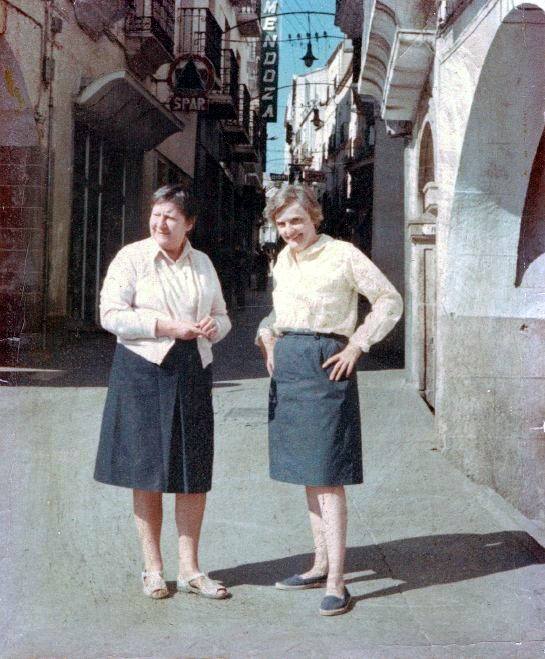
{"points": [[269, 59]]}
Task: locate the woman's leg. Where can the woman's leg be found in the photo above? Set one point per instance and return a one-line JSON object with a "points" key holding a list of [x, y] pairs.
{"points": [[332, 502], [148, 514], [320, 565], [189, 515]]}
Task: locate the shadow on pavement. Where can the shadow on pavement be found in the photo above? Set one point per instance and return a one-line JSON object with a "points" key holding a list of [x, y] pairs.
{"points": [[416, 562], [83, 358]]}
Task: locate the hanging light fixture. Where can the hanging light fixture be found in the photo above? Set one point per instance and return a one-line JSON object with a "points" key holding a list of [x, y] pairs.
{"points": [[309, 58]]}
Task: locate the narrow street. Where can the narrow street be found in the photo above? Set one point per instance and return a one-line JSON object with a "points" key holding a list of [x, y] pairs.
{"points": [[438, 566]]}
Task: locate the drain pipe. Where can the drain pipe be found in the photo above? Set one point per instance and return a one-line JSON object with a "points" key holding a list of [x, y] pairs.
{"points": [[47, 76]]}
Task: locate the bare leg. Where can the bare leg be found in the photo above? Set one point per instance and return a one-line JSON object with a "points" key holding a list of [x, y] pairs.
{"points": [[189, 515], [320, 565], [334, 520], [148, 515]]}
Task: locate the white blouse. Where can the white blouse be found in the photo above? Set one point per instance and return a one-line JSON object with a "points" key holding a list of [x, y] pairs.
{"points": [[143, 285], [317, 289]]}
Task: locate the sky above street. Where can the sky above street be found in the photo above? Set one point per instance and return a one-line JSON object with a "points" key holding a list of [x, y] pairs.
{"points": [[291, 62]]}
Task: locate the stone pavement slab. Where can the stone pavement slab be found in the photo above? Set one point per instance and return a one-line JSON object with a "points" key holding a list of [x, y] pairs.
{"points": [[438, 566]]}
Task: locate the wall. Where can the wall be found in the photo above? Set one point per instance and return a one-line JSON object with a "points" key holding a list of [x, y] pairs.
{"points": [[490, 333], [389, 218]]}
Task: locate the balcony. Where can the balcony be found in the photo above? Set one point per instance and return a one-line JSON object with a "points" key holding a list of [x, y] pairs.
{"points": [[200, 34], [249, 152], [247, 16], [149, 31], [223, 100], [237, 131]]}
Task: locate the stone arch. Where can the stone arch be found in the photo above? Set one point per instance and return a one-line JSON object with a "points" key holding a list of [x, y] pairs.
{"points": [[531, 248], [490, 332], [21, 207], [500, 143]]}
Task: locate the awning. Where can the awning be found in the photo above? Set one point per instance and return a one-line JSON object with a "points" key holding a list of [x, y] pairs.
{"points": [[409, 67], [119, 104]]}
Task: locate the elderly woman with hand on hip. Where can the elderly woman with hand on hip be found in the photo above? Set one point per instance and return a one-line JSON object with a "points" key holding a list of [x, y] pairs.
{"points": [[312, 346], [163, 301]]}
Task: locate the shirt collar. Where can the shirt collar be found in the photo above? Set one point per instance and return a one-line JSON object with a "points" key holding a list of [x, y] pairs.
{"points": [[156, 252], [317, 246]]}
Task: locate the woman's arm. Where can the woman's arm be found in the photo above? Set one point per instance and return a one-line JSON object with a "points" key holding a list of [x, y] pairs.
{"points": [[117, 314], [386, 302], [265, 339], [386, 310], [217, 324]]}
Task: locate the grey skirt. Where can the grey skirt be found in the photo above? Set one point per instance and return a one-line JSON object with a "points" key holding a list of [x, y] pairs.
{"points": [[314, 423], [157, 429]]}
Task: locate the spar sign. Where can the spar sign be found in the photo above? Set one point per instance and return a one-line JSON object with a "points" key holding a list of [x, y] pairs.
{"points": [[269, 59]]}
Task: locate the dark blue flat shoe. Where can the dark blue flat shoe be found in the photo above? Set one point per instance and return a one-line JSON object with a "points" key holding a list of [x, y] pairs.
{"points": [[334, 606], [296, 582]]}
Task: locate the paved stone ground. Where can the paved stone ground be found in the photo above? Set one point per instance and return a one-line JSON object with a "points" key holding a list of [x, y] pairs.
{"points": [[438, 566]]}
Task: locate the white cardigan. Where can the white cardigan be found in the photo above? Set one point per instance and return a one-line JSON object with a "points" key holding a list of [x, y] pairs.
{"points": [[132, 300]]}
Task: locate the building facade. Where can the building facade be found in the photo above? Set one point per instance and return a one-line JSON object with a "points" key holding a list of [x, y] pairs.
{"points": [[456, 83], [88, 130]]}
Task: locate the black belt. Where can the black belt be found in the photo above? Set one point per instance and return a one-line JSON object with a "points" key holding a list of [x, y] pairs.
{"points": [[316, 335]]}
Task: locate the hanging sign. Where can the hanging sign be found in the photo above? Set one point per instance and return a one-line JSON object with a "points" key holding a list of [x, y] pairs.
{"points": [[190, 78], [278, 177], [314, 176], [269, 60]]}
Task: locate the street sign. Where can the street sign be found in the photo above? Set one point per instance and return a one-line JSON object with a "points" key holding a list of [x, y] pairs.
{"points": [[278, 177], [314, 176]]}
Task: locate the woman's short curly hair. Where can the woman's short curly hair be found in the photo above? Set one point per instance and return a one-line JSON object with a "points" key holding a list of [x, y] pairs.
{"points": [[291, 194], [181, 196]]}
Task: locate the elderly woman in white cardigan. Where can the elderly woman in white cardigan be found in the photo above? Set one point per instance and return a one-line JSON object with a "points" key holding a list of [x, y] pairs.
{"points": [[163, 301], [312, 346]]}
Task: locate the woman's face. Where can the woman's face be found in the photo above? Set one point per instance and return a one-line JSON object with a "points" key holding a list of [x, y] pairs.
{"points": [[169, 227], [296, 227]]}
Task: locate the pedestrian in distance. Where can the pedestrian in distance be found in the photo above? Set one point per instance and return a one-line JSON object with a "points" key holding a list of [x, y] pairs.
{"points": [[311, 347], [163, 300]]}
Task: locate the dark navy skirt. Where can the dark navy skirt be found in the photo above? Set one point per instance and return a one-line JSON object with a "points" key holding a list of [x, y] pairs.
{"points": [[314, 423], [158, 426]]}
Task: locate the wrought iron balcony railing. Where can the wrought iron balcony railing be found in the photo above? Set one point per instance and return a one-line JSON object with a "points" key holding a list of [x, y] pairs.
{"points": [[151, 19], [244, 108], [230, 75], [255, 131], [237, 131], [200, 34], [247, 15]]}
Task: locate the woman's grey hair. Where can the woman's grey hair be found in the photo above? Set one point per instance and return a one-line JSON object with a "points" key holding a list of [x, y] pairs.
{"points": [[180, 196], [291, 194]]}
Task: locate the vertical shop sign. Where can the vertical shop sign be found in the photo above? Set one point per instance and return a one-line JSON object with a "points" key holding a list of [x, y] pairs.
{"points": [[269, 60]]}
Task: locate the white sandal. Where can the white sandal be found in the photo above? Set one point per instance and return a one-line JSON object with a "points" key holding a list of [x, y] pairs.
{"points": [[207, 588], [153, 584]]}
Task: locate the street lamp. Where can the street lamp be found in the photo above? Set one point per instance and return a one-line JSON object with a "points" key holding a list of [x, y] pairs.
{"points": [[309, 58]]}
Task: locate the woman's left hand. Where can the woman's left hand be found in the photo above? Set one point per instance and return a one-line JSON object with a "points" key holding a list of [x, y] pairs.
{"points": [[208, 326], [344, 361]]}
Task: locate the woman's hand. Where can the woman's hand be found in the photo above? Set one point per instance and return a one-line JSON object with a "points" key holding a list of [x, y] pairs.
{"points": [[268, 341], [178, 329], [208, 327], [344, 361]]}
